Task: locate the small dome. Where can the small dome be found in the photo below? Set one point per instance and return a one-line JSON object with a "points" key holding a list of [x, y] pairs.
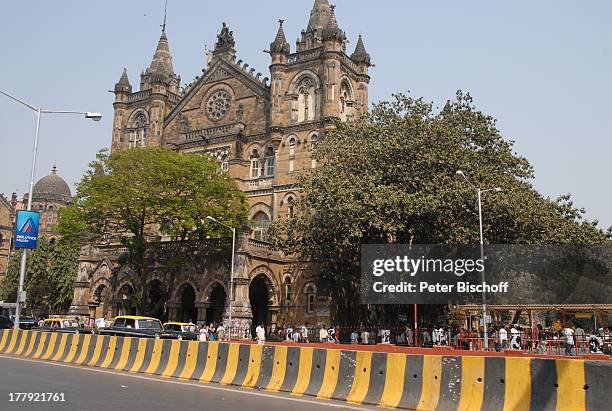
{"points": [[52, 187]]}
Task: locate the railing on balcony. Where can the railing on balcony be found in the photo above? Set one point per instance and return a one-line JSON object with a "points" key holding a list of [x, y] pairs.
{"points": [[212, 131], [162, 246], [140, 95], [258, 244], [305, 55], [174, 98], [263, 182]]}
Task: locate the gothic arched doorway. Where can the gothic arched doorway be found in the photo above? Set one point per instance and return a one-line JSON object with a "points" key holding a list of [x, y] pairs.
{"points": [[259, 298], [155, 306], [214, 312], [188, 310], [100, 297]]}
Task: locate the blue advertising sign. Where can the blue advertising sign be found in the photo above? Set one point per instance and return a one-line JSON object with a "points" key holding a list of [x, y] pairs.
{"points": [[26, 229]]}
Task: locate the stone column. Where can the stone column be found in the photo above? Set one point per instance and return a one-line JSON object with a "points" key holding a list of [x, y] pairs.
{"points": [[241, 305], [173, 311], [201, 307], [79, 305]]}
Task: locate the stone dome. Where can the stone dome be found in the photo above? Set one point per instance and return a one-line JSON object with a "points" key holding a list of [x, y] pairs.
{"points": [[52, 187]]}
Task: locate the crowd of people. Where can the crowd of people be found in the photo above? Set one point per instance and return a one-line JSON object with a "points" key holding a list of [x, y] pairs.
{"points": [[568, 340]]}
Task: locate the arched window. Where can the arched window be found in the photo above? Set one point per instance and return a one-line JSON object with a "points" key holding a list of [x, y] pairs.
{"points": [[255, 165], [291, 206], [303, 106], [270, 161], [292, 144], [311, 292], [138, 130], [288, 289], [260, 226], [224, 162], [314, 140], [347, 102]]}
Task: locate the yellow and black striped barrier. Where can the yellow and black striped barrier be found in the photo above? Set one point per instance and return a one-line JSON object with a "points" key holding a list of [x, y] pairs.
{"points": [[394, 380]]}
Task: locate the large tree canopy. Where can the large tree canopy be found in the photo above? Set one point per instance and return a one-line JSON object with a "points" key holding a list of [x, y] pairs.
{"points": [[141, 196], [390, 179]]}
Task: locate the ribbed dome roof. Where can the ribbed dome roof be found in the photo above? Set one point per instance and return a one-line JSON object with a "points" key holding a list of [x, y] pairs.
{"points": [[52, 187]]}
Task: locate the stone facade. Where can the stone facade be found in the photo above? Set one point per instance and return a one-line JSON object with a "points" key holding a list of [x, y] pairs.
{"points": [[262, 131]]}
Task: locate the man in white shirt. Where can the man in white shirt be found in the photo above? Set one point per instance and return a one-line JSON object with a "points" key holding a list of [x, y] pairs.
{"points": [[568, 332], [260, 334], [304, 332], [503, 338], [323, 334]]}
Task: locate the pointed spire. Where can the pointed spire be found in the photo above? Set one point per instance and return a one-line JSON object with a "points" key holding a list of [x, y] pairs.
{"points": [[332, 31], [123, 85], [360, 55], [162, 60], [319, 15], [280, 44]]}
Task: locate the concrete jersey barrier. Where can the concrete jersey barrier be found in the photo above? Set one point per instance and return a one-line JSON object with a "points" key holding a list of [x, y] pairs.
{"points": [[394, 380]]}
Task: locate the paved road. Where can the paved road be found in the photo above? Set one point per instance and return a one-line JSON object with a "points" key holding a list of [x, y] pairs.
{"points": [[96, 389]]}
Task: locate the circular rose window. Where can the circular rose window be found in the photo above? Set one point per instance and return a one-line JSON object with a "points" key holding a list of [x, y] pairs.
{"points": [[218, 105]]}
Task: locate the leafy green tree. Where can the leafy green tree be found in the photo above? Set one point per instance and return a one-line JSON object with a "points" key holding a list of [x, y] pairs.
{"points": [[49, 279], [141, 196], [8, 283], [62, 273], [390, 179], [37, 283]]}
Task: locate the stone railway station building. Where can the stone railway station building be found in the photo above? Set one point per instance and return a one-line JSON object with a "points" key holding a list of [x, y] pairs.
{"points": [[263, 130]]}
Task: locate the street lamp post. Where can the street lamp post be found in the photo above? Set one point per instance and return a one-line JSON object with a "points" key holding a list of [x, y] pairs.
{"points": [[461, 176], [231, 270], [39, 111]]}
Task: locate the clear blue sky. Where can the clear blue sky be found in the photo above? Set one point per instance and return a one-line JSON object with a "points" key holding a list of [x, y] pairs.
{"points": [[542, 68]]}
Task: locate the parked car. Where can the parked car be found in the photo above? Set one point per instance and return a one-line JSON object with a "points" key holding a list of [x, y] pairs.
{"points": [[183, 331], [136, 326], [25, 322], [64, 325], [5, 323]]}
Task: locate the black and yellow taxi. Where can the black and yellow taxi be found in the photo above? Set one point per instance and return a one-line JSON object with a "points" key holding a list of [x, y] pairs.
{"points": [[137, 326], [183, 331]]}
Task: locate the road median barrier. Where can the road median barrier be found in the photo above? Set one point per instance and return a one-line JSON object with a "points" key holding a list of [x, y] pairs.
{"points": [[388, 379]]}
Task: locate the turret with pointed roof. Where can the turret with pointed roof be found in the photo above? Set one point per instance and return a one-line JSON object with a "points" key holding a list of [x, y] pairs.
{"points": [[162, 60], [331, 30], [360, 55], [280, 44], [123, 85], [319, 15], [160, 69]]}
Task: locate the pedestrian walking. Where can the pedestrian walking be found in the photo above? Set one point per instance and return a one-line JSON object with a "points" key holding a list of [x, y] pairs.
{"points": [[260, 333], [515, 337], [580, 340], [203, 334], [304, 332], [568, 332], [323, 336], [221, 332], [365, 337]]}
